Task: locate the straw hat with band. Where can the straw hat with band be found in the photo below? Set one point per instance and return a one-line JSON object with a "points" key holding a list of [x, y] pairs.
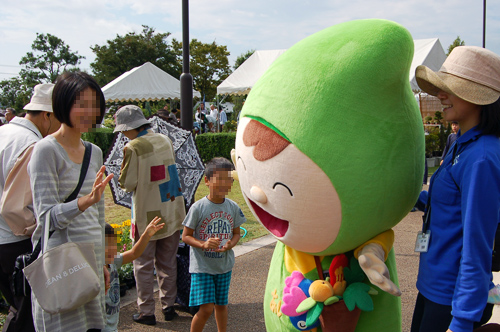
{"points": [[41, 99], [129, 117], [471, 73]]}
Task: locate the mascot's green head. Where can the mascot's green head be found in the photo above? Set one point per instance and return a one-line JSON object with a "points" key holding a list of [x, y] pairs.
{"points": [[330, 144]]}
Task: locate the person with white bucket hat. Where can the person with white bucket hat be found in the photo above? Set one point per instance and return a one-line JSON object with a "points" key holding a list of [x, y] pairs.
{"points": [[17, 220], [463, 202]]}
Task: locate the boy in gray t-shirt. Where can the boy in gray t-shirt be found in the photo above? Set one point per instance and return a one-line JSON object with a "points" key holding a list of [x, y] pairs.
{"points": [[212, 229]]}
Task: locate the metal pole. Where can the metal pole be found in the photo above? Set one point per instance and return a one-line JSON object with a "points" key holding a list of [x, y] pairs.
{"points": [[218, 115], [484, 23], [186, 77]]}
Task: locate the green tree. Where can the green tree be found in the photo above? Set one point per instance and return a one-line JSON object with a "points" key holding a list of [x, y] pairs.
{"points": [[49, 58], [15, 93], [456, 42], [209, 65], [438, 116], [242, 58], [132, 50]]}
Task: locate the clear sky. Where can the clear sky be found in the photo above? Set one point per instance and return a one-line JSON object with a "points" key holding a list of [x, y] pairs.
{"points": [[240, 25]]}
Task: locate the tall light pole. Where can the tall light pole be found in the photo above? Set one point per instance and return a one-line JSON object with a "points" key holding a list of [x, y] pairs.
{"points": [[484, 23], [186, 77]]}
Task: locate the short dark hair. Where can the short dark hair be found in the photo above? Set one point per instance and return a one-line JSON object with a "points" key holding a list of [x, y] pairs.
{"points": [[35, 113], [68, 86], [489, 123], [218, 164], [109, 230]]}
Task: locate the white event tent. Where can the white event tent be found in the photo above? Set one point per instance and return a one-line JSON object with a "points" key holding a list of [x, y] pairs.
{"points": [[428, 52], [246, 75], [143, 83]]}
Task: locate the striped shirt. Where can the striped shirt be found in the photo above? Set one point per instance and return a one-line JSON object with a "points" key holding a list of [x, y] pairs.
{"points": [[53, 178]]}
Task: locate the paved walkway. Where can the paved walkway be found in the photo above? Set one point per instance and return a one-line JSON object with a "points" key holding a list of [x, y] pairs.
{"points": [[250, 275]]}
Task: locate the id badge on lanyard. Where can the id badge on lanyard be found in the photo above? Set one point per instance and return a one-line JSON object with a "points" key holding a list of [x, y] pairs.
{"points": [[422, 243], [424, 236]]}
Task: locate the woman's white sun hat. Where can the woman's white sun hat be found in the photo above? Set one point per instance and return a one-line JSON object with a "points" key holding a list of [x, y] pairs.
{"points": [[471, 73]]}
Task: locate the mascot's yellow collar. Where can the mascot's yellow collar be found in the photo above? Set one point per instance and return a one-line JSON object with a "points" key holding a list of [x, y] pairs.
{"points": [[304, 263], [299, 261]]}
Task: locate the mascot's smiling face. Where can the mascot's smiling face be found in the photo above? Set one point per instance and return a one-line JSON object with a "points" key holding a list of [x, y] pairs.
{"points": [[330, 144], [288, 193]]}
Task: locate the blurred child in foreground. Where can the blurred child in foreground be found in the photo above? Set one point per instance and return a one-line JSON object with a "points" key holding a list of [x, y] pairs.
{"points": [[115, 260]]}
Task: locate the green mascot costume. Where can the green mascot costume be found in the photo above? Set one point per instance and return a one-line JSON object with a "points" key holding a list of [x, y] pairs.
{"points": [[330, 156]]}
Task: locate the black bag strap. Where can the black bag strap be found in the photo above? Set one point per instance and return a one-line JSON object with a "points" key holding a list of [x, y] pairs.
{"points": [[74, 194], [83, 171]]}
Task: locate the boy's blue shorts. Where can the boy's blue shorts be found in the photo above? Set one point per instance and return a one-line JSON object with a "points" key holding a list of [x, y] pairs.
{"points": [[209, 288]]}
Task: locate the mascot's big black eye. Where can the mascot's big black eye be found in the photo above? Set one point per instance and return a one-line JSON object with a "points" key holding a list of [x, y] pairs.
{"points": [[284, 185]]}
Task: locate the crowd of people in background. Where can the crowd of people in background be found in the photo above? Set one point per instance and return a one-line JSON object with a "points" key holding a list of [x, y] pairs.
{"points": [[209, 121]]}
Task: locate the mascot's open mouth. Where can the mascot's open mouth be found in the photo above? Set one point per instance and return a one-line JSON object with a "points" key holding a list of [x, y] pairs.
{"points": [[276, 226]]}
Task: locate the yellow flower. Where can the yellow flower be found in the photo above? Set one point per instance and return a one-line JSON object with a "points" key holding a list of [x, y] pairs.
{"points": [[115, 226], [119, 232], [119, 240], [127, 222]]}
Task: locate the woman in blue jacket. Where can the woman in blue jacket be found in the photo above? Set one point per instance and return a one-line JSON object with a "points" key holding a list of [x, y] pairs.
{"points": [[463, 202]]}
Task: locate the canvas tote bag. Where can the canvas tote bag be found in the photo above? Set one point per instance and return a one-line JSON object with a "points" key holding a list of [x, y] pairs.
{"points": [[20, 285], [65, 277]]}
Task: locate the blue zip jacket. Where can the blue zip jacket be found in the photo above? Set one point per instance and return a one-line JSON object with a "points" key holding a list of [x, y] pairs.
{"points": [[464, 215]]}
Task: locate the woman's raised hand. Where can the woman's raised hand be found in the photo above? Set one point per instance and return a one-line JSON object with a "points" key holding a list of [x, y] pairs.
{"points": [[97, 189]]}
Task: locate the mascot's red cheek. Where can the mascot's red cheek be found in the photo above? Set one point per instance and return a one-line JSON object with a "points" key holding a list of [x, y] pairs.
{"points": [[276, 226]]}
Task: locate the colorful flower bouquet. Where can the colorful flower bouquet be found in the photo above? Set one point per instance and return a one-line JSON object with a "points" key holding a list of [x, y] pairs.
{"points": [[335, 303]]}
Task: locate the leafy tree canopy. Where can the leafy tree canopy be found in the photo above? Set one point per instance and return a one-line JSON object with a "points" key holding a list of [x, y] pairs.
{"points": [[456, 42], [242, 58], [209, 65], [132, 50], [15, 93], [49, 58]]}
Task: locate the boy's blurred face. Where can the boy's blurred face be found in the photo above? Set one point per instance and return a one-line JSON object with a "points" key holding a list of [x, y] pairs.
{"points": [[220, 183], [111, 250]]}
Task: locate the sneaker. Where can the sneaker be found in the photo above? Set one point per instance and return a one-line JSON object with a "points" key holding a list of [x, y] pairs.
{"points": [[170, 314], [494, 295], [144, 319]]}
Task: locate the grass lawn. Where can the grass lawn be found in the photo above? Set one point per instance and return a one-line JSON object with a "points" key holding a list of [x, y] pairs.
{"points": [[116, 214]]}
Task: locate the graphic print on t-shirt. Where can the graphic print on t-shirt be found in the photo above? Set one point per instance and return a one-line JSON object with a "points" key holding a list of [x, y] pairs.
{"points": [[218, 224]]}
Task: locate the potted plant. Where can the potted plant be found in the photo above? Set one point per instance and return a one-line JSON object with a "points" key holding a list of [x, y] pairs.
{"points": [[431, 145]]}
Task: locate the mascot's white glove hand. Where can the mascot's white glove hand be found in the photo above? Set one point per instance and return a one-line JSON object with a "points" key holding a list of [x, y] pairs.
{"points": [[371, 260]]}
